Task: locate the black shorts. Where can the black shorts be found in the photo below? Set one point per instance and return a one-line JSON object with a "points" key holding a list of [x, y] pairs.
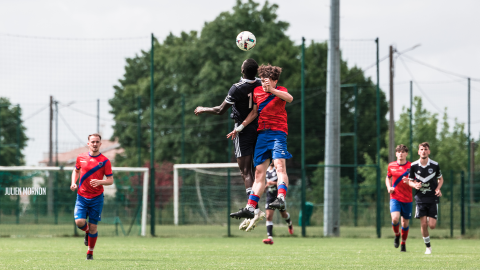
{"points": [[271, 196], [426, 210], [245, 141]]}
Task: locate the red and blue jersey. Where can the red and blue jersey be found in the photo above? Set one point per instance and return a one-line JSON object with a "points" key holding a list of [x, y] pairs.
{"points": [[271, 110], [92, 167], [403, 192]]}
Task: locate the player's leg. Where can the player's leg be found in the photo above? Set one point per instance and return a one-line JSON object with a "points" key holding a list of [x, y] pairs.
{"points": [[95, 215], [80, 214], [406, 214], [279, 155], [421, 213], [258, 190], [395, 214], [269, 239], [245, 164], [289, 222], [433, 215]]}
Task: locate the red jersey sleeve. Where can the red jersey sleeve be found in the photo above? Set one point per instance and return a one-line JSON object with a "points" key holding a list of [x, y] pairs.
{"points": [[255, 95], [389, 172], [77, 164], [108, 168]]}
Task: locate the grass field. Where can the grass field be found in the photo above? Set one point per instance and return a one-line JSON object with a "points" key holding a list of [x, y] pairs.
{"points": [[236, 253]]}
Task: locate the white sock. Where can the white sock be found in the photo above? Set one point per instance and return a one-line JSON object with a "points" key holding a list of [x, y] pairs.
{"points": [[288, 216], [269, 223], [281, 196], [250, 208]]}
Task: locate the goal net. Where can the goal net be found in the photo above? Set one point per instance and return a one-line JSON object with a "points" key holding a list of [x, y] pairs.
{"points": [[37, 201]]}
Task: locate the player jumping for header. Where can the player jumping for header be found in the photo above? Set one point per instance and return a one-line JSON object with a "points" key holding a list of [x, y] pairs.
{"points": [[400, 195], [272, 193], [91, 166], [240, 98], [426, 177], [269, 104]]}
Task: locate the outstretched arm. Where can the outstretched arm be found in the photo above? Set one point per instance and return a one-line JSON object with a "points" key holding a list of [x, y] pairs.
{"points": [[218, 110], [283, 95]]}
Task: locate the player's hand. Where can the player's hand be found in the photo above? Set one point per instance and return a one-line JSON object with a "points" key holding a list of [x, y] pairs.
{"points": [[73, 187], [391, 190], [438, 193], [417, 185], [95, 182], [198, 110], [266, 85], [405, 180], [232, 134]]}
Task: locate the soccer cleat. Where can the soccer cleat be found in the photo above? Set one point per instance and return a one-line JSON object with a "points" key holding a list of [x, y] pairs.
{"points": [[403, 248], [89, 257], [85, 240], [243, 226], [278, 204], [429, 250], [242, 213], [259, 215], [396, 241], [268, 241], [290, 227]]}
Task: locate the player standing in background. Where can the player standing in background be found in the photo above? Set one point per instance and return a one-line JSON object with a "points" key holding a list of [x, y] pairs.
{"points": [[240, 98], [426, 177], [269, 104], [400, 195], [272, 193], [91, 167]]}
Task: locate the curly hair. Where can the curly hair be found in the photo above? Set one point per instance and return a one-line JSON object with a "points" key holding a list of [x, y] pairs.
{"points": [[269, 71]]}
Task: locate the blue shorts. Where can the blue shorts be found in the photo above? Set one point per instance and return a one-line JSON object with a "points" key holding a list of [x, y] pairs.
{"points": [[91, 208], [405, 209], [271, 144]]}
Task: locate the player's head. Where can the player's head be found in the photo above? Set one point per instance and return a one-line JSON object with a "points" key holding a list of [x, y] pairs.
{"points": [[249, 69], [424, 150], [269, 72], [94, 142], [401, 152]]}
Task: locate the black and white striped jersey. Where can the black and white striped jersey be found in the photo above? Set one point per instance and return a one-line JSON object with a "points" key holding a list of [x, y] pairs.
{"points": [[272, 176], [428, 175], [240, 96]]}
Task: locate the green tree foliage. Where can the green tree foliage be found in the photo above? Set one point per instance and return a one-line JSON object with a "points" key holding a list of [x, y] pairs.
{"points": [[202, 67], [12, 134]]}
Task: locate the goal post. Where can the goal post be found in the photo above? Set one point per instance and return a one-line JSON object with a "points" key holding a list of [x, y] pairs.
{"points": [[145, 181], [176, 191]]}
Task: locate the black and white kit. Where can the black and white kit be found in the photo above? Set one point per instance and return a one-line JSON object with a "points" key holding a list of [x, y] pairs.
{"points": [[427, 201]]}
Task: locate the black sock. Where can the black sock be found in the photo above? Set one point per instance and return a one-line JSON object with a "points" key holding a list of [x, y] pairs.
{"points": [[269, 230], [427, 244]]}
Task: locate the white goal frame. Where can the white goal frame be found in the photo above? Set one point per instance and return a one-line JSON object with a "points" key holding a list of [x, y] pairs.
{"points": [[191, 166], [114, 169]]}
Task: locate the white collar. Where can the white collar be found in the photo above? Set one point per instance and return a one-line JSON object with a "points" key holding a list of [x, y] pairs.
{"points": [[247, 80], [420, 162]]}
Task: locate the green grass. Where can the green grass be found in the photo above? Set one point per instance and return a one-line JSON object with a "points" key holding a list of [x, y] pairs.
{"points": [[232, 253]]}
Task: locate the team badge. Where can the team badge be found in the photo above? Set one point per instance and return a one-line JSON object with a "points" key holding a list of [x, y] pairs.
{"points": [[430, 170], [100, 164], [408, 170]]}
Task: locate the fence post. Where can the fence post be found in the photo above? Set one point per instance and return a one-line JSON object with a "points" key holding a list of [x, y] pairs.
{"points": [[462, 204], [355, 153], [152, 143], [229, 184], [379, 208], [304, 182], [451, 203]]}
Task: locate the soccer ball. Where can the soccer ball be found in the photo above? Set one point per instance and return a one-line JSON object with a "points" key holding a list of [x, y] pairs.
{"points": [[246, 41]]}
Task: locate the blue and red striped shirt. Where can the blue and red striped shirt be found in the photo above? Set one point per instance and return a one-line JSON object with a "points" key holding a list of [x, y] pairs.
{"points": [[92, 167], [271, 110]]}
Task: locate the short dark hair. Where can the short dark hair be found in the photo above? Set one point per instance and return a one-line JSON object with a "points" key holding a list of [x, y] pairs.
{"points": [[270, 72], [96, 135], [250, 68], [401, 148], [424, 144]]}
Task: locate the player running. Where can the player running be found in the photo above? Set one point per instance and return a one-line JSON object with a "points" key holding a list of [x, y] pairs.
{"points": [[240, 98], [91, 166], [269, 104], [426, 177], [400, 195], [272, 193]]}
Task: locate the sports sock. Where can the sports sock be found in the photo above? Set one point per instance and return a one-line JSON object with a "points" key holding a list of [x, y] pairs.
{"points": [[404, 235], [269, 228], [287, 219], [84, 228], [252, 202], [282, 190], [249, 191], [92, 239], [427, 241], [396, 228]]}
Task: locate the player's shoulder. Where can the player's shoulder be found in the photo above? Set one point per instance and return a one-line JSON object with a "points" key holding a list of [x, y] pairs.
{"points": [[433, 162], [392, 164], [415, 163], [282, 88], [83, 155]]}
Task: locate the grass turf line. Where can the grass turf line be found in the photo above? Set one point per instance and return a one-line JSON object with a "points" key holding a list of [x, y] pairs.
{"points": [[232, 253]]}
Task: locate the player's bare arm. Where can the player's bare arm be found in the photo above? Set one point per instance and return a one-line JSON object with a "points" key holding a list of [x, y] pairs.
{"points": [[250, 117], [98, 182], [218, 110], [440, 184], [415, 184], [75, 175], [269, 86], [388, 183]]}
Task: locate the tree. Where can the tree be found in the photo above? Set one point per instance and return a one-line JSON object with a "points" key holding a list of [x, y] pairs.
{"points": [[12, 134]]}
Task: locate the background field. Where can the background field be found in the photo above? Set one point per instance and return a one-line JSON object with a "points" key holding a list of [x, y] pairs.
{"points": [[236, 253]]}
